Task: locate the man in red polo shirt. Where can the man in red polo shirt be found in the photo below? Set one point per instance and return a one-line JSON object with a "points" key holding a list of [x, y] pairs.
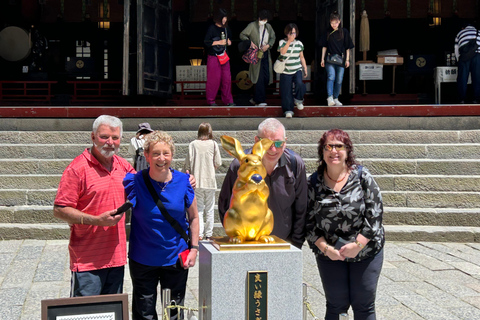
{"points": [[89, 193]]}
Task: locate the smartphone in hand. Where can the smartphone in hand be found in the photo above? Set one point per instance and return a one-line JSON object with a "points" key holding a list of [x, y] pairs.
{"points": [[124, 207], [340, 243]]}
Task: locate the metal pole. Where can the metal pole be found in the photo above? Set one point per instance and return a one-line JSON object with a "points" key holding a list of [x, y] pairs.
{"points": [[166, 302], [304, 289]]}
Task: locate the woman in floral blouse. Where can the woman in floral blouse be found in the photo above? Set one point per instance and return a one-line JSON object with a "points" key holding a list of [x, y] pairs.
{"points": [[344, 228]]}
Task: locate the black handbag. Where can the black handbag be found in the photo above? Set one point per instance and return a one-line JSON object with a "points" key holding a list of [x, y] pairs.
{"points": [[335, 59], [468, 50]]}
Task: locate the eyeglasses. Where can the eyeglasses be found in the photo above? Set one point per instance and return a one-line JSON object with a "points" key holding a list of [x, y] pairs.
{"points": [[338, 147], [277, 143]]}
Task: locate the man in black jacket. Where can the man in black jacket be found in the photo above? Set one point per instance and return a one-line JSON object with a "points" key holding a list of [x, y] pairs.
{"points": [[286, 179]]}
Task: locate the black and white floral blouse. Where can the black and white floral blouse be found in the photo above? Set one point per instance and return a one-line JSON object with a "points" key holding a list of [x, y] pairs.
{"points": [[356, 209]]}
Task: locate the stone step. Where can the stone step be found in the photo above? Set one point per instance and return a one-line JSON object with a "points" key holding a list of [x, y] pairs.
{"points": [[376, 166], [383, 151], [46, 231], [466, 217], [244, 136], [386, 182]]}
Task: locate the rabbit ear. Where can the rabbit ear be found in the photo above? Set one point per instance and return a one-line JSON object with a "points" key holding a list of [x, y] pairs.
{"points": [[233, 147], [260, 147]]}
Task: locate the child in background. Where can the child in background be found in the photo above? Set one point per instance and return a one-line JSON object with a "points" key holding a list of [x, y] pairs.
{"points": [[202, 159]]}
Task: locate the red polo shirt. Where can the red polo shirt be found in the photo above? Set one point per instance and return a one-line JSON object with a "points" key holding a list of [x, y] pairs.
{"points": [[87, 186]]}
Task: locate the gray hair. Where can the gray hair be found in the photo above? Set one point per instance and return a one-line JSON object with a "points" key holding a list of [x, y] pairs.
{"points": [[110, 121], [270, 125]]}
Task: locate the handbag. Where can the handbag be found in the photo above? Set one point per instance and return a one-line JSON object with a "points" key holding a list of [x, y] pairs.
{"points": [[468, 50], [223, 57], [251, 55], [335, 59], [280, 65], [174, 223]]}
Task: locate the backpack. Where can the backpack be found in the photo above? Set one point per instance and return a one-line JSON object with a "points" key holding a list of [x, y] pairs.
{"points": [[468, 50], [140, 161]]}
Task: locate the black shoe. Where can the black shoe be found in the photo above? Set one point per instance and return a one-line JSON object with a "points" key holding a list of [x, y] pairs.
{"points": [[475, 102], [231, 104], [213, 105]]}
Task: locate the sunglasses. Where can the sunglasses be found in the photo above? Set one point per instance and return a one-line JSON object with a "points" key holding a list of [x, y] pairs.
{"points": [[338, 147], [277, 144]]}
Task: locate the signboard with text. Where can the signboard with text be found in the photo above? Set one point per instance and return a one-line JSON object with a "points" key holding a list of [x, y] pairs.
{"points": [[371, 71], [257, 289]]}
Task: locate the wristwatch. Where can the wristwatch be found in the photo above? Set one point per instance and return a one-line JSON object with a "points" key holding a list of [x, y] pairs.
{"points": [[194, 247], [358, 243]]}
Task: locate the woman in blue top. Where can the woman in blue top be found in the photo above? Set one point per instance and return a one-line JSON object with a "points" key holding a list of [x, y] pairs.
{"points": [[154, 243]]}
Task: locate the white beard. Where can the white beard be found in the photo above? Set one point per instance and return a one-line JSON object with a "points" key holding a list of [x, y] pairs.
{"points": [[106, 153]]}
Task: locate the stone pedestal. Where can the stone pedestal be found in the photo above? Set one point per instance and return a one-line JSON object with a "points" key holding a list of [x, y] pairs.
{"points": [[223, 282]]}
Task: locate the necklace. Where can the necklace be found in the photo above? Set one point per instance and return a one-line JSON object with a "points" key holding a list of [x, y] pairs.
{"points": [[337, 181], [163, 185]]}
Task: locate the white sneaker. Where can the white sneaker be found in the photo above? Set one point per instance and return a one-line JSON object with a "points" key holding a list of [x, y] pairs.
{"points": [[252, 102], [337, 103], [299, 105], [263, 104], [330, 101], [289, 114]]}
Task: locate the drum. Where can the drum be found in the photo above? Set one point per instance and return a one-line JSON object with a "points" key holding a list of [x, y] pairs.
{"points": [[15, 44]]}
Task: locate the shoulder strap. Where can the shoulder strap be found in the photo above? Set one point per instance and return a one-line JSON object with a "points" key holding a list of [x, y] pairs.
{"points": [[162, 208]]}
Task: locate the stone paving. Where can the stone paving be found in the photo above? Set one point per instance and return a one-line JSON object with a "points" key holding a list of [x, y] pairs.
{"points": [[424, 280]]}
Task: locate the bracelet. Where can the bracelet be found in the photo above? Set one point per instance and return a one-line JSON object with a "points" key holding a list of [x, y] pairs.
{"points": [[81, 219], [194, 247], [325, 250], [358, 243]]}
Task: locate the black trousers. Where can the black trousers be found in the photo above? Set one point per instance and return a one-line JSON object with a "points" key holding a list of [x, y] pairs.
{"points": [[351, 284], [145, 282]]}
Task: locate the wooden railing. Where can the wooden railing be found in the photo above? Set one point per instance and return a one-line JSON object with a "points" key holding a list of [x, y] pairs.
{"points": [[26, 90], [87, 90]]}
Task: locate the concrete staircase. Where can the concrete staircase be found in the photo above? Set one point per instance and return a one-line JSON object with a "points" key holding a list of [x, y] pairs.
{"points": [[428, 168]]}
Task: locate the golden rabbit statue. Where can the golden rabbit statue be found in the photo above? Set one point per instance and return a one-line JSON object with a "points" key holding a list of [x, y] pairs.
{"points": [[248, 218]]}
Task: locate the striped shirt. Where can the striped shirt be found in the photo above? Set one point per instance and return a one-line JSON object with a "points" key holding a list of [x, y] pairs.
{"points": [[293, 63], [464, 36], [87, 186]]}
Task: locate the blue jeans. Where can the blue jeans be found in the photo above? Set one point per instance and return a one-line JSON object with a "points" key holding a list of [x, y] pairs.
{"points": [[334, 79], [263, 79], [350, 284], [286, 91], [95, 282], [464, 68]]}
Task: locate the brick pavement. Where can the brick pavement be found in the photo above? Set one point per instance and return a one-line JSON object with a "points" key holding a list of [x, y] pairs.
{"points": [[427, 280]]}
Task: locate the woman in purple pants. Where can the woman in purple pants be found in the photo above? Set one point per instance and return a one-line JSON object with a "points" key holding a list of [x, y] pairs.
{"points": [[218, 75]]}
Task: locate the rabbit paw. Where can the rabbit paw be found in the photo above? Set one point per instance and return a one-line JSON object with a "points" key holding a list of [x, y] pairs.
{"points": [[266, 239], [236, 239]]}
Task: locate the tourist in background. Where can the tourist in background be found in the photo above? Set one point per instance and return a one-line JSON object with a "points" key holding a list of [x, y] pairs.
{"points": [[468, 61], [344, 228], [202, 159], [218, 75], [292, 49], [336, 45], [136, 146], [261, 35]]}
